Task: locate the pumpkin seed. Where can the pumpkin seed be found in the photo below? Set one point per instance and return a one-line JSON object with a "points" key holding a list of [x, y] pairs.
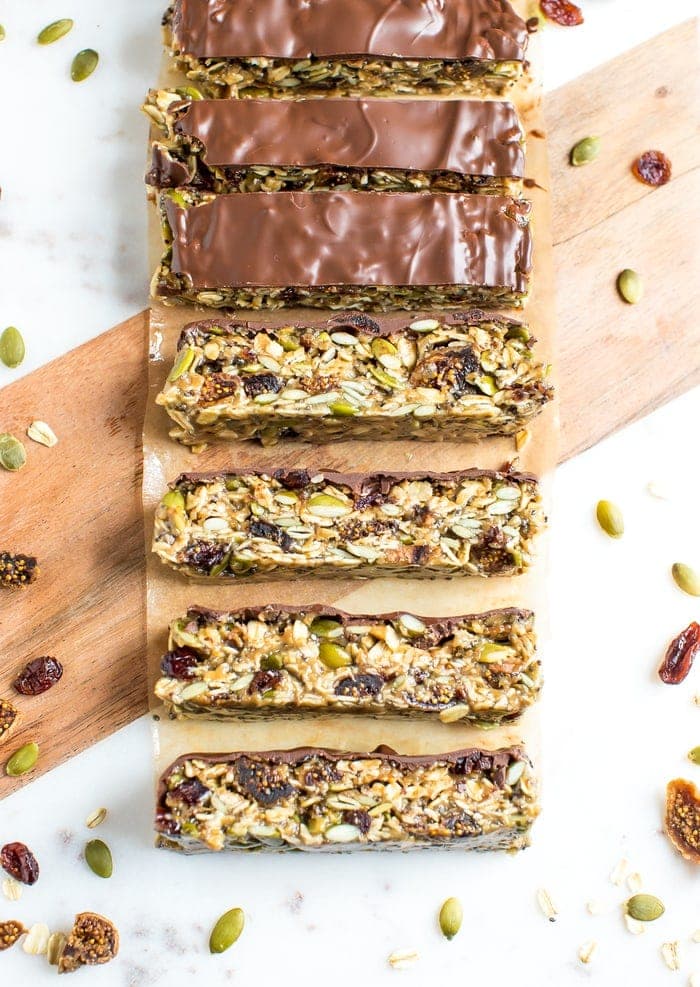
{"points": [[2, 33], [272, 663], [451, 714], [341, 409], [55, 947], [189, 92], [324, 627], [84, 64], [98, 857], [411, 625], [42, 433], [630, 286], [96, 818], [694, 755], [22, 760], [610, 518], [174, 500], [55, 31], [324, 505], [333, 656], [644, 907], [585, 151], [184, 362], [227, 931], [13, 455], [12, 348], [686, 578], [451, 918]]}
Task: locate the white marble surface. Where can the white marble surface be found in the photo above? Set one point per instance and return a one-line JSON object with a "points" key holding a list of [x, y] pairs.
{"points": [[613, 734]]}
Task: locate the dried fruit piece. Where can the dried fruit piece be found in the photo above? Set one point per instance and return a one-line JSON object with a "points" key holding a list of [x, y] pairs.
{"points": [[562, 12], [22, 760], [38, 676], [10, 933], [451, 918], [644, 907], [227, 930], [55, 31], [37, 941], [84, 64], [8, 717], [98, 857], [13, 455], [12, 347], [19, 862], [682, 821], [585, 151], [610, 518], [17, 570], [686, 578], [653, 168], [680, 655], [42, 433], [92, 940], [630, 286]]}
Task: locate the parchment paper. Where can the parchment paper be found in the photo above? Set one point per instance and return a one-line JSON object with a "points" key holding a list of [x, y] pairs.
{"points": [[170, 594]]}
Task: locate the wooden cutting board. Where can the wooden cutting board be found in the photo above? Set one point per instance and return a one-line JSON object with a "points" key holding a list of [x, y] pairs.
{"points": [[78, 506]]}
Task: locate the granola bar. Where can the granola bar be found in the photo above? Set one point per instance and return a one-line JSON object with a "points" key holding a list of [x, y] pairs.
{"points": [[17, 570], [460, 376], [224, 145], [315, 799], [275, 659], [286, 50], [379, 252], [245, 525]]}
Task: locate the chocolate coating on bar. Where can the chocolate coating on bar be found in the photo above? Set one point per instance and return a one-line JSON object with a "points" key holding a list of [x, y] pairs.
{"points": [[254, 239], [472, 137], [359, 483], [279, 609], [450, 29]]}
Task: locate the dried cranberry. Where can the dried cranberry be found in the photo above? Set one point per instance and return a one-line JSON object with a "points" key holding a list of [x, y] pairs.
{"points": [[680, 655], [653, 168], [204, 555], [359, 818], [293, 479], [447, 367], [38, 676], [255, 384], [166, 824], [180, 663], [190, 791], [19, 862], [262, 681], [270, 532], [359, 686], [562, 12]]}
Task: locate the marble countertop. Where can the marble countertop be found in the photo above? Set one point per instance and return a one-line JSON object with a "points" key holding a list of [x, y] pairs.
{"points": [[73, 261]]}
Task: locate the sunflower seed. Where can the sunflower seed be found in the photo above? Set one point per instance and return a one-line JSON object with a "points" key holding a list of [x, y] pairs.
{"points": [[84, 64], [55, 31], [12, 348], [42, 433]]}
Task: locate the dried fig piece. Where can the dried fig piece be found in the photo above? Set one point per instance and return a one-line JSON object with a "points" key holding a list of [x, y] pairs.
{"points": [[682, 821], [361, 685], [9, 933], [38, 676], [255, 384], [205, 555], [266, 783], [17, 570], [680, 655], [8, 717], [92, 940], [19, 862]]}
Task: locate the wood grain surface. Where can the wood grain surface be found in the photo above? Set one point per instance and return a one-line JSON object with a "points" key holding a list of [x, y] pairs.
{"points": [[78, 506]]}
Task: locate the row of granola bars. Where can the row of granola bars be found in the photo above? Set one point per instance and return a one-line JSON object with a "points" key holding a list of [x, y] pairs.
{"points": [[366, 202]]}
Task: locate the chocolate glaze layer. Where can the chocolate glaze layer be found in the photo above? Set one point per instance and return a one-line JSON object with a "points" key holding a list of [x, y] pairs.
{"points": [[472, 137], [452, 29], [279, 609], [254, 239], [359, 483]]}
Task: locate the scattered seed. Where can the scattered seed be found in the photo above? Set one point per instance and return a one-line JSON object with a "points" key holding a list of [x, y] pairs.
{"points": [[669, 953], [96, 818], [53, 32], [42, 433], [227, 930], [585, 953], [634, 925], [84, 64], [546, 905], [12, 889], [56, 945], [522, 438], [13, 455], [630, 286], [12, 348], [402, 959], [37, 940], [98, 857], [452, 714], [694, 755], [22, 760], [610, 518], [686, 578], [2, 33], [183, 363], [585, 151], [620, 872], [451, 917], [644, 907]]}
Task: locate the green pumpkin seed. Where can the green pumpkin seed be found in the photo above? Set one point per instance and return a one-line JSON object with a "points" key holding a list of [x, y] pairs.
{"points": [[324, 505], [341, 409], [84, 64], [644, 907], [13, 455], [189, 92], [272, 663], [630, 286], [22, 760], [333, 656], [52, 32], [694, 755], [175, 500], [227, 930], [492, 652], [98, 857], [12, 347], [184, 362], [686, 578], [610, 518], [585, 151], [324, 627], [451, 918], [2, 33]]}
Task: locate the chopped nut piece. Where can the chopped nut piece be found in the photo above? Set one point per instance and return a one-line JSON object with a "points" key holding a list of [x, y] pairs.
{"points": [[10, 932], [92, 940], [585, 953], [12, 889], [8, 717], [42, 433], [682, 820], [669, 952], [546, 905], [402, 959], [37, 940]]}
